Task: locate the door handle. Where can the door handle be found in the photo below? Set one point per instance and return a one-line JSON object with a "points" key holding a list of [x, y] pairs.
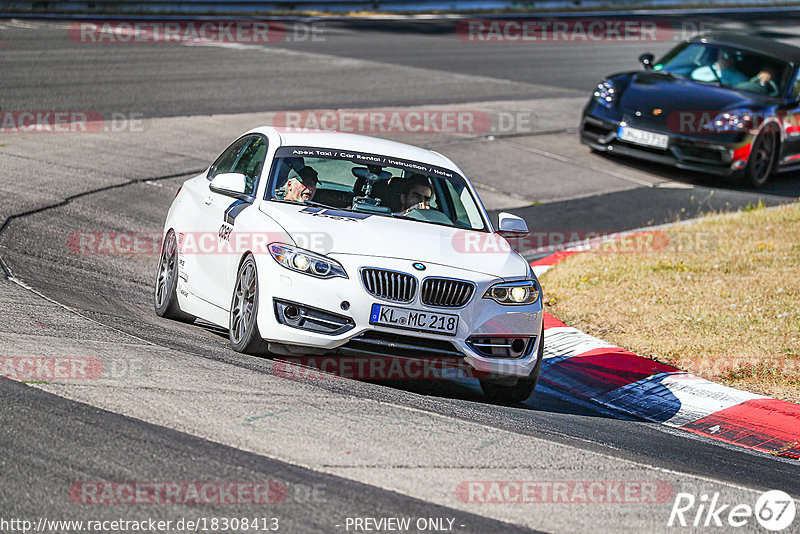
{"points": [[208, 200]]}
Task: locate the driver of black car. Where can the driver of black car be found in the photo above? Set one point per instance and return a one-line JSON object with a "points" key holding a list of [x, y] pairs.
{"points": [[723, 70], [763, 83]]}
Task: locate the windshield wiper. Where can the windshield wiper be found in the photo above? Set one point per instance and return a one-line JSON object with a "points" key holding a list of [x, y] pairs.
{"points": [[307, 203], [669, 74], [715, 83], [437, 223], [321, 205]]}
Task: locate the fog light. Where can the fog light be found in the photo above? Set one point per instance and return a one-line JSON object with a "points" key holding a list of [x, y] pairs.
{"points": [[291, 313], [501, 346]]}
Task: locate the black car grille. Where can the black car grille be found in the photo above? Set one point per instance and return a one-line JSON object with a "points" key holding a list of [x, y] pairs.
{"points": [[699, 153], [597, 130], [446, 293], [643, 148], [389, 285]]}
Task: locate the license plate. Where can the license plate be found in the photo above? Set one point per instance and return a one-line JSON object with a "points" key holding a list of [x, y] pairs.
{"points": [[642, 137], [419, 320]]}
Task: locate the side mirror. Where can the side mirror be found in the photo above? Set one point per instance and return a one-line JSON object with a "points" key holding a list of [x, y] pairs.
{"points": [[232, 184], [647, 61], [509, 225]]}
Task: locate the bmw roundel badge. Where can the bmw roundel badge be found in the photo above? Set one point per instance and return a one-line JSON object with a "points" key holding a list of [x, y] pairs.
{"points": [[418, 266]]}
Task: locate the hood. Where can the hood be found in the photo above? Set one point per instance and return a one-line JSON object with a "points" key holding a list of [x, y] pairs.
{"points": [[648, 91], [333, 232]]}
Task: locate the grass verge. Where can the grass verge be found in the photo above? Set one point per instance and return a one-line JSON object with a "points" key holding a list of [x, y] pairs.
{"points": [[719, 297]]}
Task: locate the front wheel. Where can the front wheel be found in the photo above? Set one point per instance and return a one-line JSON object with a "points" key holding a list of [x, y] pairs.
{"points": [[243, 327], [761, 162], [520, 391], [165, 297]]}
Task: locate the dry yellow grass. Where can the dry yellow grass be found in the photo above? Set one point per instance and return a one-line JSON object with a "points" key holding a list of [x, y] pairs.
{"points": [[721, 299]]}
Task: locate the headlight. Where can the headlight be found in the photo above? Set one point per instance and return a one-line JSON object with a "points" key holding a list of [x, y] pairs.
{"points": [[732, 121], [605, 94], [514, 293], [306, 262]]}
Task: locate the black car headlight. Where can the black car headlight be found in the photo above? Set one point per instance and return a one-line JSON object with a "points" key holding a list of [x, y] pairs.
{"points": [[605, 94], [733, 121], [514, 293], [305, 261]]}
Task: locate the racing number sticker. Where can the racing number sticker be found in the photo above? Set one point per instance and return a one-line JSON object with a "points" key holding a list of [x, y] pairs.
{"points": [[225, 232]]}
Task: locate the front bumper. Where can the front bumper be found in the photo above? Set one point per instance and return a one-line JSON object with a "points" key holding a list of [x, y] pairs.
{"points": [[722, 157], [347, 300]]}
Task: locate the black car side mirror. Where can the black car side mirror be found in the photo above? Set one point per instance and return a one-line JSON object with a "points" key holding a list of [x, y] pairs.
{"points": [[647, 60]]}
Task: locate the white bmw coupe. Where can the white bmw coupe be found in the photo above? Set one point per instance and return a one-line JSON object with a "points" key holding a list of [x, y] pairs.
{"points": [[311, 243]]}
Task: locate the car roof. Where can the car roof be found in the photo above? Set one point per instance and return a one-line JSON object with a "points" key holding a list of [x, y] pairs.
{"points": [[357, 143], [768, 47]]}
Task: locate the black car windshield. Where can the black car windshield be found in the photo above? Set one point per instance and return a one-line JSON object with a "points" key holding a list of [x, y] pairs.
{"points": [[374, 184], [727, 66]]}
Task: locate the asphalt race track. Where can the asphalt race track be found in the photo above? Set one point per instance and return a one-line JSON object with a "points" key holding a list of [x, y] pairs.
{"points": [[175, 404]]}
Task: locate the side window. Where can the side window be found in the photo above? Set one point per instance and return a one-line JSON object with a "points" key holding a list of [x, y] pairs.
{"points": [[251, 161], [225, 162], [466, 212], [796, 85], [458, 206]]}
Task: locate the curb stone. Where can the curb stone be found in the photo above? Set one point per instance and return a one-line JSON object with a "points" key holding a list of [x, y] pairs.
{"points": [[592, 369]]}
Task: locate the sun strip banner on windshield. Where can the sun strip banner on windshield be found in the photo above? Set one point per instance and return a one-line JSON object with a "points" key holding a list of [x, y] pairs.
{"points": [[364, 158]]}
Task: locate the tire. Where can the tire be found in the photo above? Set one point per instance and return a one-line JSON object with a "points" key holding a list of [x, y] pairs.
{"points": [[761, 162], [165, 298], [243, 326], [520, 391]]}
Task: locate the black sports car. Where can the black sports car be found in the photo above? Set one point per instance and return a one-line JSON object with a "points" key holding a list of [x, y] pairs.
{"points": [[722, 103]]}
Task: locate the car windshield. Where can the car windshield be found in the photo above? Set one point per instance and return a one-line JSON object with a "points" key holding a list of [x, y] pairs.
{"points": [[727, 66], [374, 184]]}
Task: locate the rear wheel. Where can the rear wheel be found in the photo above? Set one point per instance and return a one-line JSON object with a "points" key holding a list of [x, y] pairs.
{"points": [[761, 162], [165, 297], [506, 393], [243, 327]]}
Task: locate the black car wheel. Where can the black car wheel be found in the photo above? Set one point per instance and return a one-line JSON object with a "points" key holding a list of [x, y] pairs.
{"points": [[762, 157], [243, 327], [503, 393], [165, 296]]}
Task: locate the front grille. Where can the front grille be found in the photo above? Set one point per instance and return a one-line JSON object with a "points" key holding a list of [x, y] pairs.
{"points": [[389, 285], [643, 148], [375, 343], [446, 293], [698, 153], [595, 129]]}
